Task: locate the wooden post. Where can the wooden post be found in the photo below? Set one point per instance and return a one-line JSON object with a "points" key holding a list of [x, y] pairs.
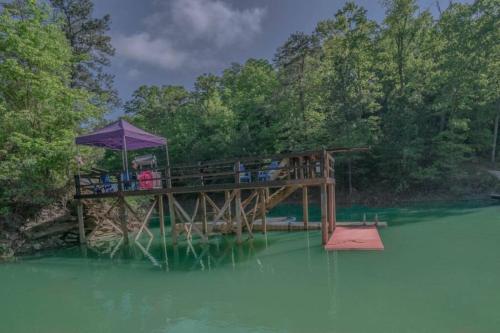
{"points": [[331, 208], [325, 165], [305, 206], [123, 220], [171, 210], [237, 213], [161, 216], [204, 210], [81, 225], [227, 196], [263, 211], [237, 166], [122, 211], [324, 214]]}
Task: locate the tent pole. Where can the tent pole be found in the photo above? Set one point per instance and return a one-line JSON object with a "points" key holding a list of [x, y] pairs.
{"points": [[123, 161], [126, 157]]}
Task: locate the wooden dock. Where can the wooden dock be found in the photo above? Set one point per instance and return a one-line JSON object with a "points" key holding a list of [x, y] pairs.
{"points": [[230, 196]]}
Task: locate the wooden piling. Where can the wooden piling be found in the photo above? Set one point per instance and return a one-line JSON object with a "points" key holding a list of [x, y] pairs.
{"points": [[123, 220], [332, 219], [324, 214], [305, 206], [161, 216], [227, 197], [237, 213], [81, 224], [204, 211], [171, 210], [331, 208], [263, 210]]}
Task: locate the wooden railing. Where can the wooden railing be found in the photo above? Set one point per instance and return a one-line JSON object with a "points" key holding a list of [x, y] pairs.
{"points": [[292, 166]]}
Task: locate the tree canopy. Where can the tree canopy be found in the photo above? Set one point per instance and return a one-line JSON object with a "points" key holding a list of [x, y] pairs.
{"points": [[422, 91]]}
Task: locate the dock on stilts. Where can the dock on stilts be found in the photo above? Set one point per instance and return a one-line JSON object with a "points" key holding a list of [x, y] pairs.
{"points": [[214, 197]]}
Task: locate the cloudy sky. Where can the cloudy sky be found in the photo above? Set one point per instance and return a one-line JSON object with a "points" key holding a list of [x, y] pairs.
{"points": [[174, 41]]}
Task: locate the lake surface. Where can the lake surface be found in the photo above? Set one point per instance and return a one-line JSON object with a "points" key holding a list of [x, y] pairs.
{"points": [[440, 272]]}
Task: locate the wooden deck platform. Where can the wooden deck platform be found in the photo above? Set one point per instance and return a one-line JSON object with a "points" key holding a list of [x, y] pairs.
{"points": [[355, 238], [230, 197]]}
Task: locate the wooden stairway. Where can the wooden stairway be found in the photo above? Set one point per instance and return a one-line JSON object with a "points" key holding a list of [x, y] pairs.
{"points": [[280, 195]]}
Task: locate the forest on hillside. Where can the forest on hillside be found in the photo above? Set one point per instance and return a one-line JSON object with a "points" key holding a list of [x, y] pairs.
{"points": [[421, 90]]}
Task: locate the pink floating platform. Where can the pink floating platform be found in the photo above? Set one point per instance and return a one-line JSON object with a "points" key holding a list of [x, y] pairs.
{"points": [[355, 238]]}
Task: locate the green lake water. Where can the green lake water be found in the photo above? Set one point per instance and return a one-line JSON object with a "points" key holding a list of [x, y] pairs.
{"points": [[440, 272]]}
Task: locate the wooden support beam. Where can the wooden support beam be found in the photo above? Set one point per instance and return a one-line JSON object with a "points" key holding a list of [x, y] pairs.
{"points": [[144, 222], [190, 220], [249, 229], [324, 214], [255, 207], [227, 196], [263, 210], [171, 211], [123, 221], [81, 224], [331, 208], [161, 216], [305, 206], [204, 212], [227, 206], [237, 210]]}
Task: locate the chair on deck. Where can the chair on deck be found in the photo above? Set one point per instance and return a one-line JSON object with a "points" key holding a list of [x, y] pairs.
{"points": [[129, 181], [245, 176], [106, 185]]}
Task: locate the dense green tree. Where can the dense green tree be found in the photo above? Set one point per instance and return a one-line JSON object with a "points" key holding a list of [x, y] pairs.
{"points": [[249, 90], [88, 36], [38, 121], [349, 78]]}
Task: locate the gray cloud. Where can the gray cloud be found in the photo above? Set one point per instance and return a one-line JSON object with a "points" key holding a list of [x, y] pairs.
{"points": [[143, 47], [189, 33]]}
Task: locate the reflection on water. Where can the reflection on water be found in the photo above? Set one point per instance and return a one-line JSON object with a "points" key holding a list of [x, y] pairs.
{"points": [[187, 255], [438, 273]]}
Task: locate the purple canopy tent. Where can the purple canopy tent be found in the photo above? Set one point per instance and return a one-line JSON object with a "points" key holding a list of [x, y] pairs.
{"points": [[123, 136]]}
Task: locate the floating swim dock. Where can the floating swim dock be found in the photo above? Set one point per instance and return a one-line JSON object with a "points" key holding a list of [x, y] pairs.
{"points": [[355, 238]]}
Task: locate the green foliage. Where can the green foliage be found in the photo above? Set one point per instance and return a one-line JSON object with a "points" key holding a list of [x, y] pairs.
{"points": [[422, 92], [39, 112]]}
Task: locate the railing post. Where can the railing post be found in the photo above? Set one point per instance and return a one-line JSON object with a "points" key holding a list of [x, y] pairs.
{"points": [[325, 164], [237, 167]]}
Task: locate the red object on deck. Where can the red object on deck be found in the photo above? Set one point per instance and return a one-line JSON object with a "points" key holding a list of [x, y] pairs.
{"points": [[146, 180], [355, 238]]}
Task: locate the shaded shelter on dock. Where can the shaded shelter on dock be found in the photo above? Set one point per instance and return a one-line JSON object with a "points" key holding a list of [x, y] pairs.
{"points": [[123, 136]]}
